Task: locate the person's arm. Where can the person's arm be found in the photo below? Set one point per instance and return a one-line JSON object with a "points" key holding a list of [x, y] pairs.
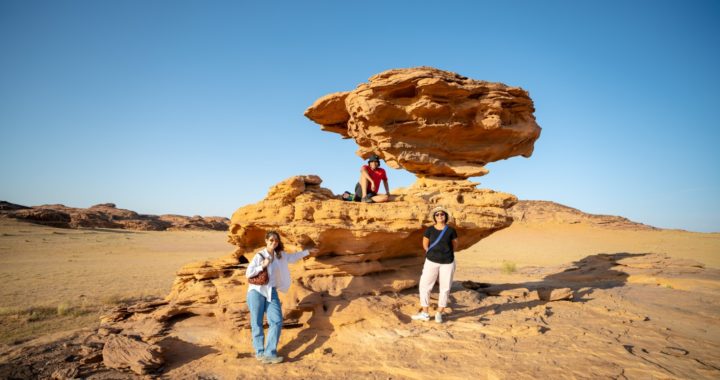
{"points": [[387, 188], [256, 266], [364, 174], [426, 243], [295, 257], [454, 240]]}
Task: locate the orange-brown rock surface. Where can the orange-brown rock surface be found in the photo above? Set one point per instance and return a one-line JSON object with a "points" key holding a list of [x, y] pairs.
{"points": [[432, 122], [363, 248], [436, 124]]}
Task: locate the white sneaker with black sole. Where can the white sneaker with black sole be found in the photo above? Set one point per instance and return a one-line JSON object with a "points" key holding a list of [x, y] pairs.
{"points": [[273, 359], [421, 316]]}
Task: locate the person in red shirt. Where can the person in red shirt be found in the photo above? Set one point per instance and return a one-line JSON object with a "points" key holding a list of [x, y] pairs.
{"points": [[369, 185]]}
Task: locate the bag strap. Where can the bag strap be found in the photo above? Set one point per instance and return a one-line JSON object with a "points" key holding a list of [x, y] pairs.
{"points": [[438, 239]]}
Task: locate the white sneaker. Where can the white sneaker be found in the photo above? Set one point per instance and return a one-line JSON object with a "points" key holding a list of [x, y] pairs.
{"points": [[421, 316], [438, 317], [272, 360]]}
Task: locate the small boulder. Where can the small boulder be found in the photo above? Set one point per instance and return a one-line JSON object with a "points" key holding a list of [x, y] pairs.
{"points": [[121, 352], [551, 294]]}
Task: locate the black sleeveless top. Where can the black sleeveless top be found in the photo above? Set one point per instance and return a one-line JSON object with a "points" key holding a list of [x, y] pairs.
{"points": [[442, 252]]}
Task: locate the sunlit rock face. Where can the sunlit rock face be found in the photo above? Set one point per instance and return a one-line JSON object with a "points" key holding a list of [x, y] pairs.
{"points": [[432, 122], [364, 248], [436, 124]]}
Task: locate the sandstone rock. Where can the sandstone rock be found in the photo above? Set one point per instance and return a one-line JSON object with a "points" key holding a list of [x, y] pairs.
{"points": [[116, 314], [544, 212], [107, 215], [121, 352], [549, 294], [95, 357], [195, 223], [7, 206], [514, 293], [365, 248], [143, 225], [400, 115], [48, 217], [70, 372]]}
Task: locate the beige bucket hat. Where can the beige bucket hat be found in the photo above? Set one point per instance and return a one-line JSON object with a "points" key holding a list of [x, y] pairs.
{"points": [[443, 209]]}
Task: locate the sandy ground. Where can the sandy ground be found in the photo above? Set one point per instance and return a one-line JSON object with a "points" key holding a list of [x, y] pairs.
{"points": [[60, 278], [619, 325], [555, 244]]}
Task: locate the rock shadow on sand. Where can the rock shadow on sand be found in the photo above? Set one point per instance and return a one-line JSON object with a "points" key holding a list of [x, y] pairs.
{"points": [[574, 283]]}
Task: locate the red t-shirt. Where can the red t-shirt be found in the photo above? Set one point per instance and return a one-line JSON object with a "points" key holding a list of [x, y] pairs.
{"points": [[377, 175]]}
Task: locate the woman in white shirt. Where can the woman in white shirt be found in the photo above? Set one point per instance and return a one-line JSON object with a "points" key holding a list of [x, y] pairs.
{"points": [[262, 299]]}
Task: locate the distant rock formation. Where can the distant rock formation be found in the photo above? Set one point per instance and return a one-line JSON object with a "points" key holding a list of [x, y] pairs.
{"points": [[432, 122], [107, 215], [7, 206], [543, 212]]}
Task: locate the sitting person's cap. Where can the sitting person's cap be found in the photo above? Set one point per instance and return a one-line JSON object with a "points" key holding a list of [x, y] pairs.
{"points": [[375, 158]]}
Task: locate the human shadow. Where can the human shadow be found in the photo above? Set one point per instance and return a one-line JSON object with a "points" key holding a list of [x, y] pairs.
{"points": [[178, 352], [317, 331], [575, 283], [330, 311]]}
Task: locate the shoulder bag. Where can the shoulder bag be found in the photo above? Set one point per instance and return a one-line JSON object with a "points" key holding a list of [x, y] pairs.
{"points": [[261, 278]]}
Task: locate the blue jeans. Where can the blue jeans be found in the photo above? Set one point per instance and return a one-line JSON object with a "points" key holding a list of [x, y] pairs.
{"points": [[259, 305]]}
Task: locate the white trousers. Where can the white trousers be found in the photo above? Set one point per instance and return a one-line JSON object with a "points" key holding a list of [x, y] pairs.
{"points": [[431, 272]]}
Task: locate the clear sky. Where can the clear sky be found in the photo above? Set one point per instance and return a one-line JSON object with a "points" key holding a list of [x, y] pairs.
{"points": [[196, 107]]}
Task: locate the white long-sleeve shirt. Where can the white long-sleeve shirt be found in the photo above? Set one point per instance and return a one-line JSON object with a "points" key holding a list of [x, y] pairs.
{"points": [[278, 271]]}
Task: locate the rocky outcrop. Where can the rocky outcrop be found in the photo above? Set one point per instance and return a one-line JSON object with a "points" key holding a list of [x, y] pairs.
{"points": [[545, 212], [122, 352], [364, 249], [432, 122], [44, 216], [181, 222], [107, 215], [7, 206]]}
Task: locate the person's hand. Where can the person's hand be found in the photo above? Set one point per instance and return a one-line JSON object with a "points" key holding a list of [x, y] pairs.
{"points": [[313, 252], [271, 245]]}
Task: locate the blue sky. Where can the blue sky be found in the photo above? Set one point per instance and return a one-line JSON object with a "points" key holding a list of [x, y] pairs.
{"points": [[196, 107]]}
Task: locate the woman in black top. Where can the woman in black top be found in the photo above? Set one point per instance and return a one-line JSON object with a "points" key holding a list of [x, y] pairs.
{"points": [[439, 241]]}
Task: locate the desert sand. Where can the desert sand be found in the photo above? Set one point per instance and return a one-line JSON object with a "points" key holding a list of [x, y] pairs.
{"points": [[80, 272], [627, 327]]}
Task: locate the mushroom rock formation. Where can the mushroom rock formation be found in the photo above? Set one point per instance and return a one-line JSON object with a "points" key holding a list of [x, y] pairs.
{"points": [[439, 125], [432, 122], [362, 248], [374, 248]]}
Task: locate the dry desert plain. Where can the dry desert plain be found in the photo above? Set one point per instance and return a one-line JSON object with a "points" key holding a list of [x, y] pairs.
{"points": [[643, 304]]}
